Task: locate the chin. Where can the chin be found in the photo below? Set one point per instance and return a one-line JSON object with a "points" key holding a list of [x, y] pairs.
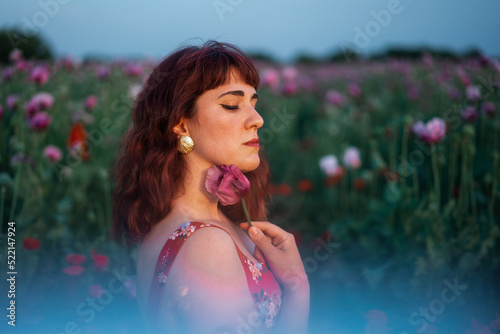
{"points": [[249, 165]]}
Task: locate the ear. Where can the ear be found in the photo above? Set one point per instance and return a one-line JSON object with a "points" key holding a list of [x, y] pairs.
{"points": [[181, 129]]}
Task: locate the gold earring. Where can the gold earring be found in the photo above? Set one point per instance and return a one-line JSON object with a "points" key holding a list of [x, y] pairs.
{"points": [[185, 144]]}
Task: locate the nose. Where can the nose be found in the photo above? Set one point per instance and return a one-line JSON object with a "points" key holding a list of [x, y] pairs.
{"points": [[254, 119]]}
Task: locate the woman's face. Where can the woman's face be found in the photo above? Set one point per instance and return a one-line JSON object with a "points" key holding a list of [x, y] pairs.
{"points": [[224, 129]]}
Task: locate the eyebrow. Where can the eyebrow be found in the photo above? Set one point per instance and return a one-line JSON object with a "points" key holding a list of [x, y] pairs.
{"points": [[238, 93]]}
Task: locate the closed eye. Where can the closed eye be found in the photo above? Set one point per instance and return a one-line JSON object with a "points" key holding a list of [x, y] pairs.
{"points": [[228, 107]]}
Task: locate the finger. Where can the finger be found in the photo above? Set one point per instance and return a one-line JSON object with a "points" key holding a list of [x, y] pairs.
{"points": [[260, 240], [266, 227], [258, 255]]}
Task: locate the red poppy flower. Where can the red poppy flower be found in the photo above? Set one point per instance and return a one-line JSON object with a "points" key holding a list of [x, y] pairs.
{"points": [[100, 261], [304, 186], [359, 183], [75, 259], [282, 189], [31, 243], [77, 141]]}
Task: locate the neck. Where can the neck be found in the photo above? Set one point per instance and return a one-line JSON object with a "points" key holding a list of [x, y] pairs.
{"points": [[196, 203]]}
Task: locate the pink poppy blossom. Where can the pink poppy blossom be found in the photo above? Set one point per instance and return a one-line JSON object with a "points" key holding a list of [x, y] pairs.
{"points": [[469, 114], [22, 65], [73, 270], [12, 101], [102, 72], [15, 55], [270, 77], [40, 121], [32, 109], [329, 164], [352, 158], [100, 261], [289, 73], [7, 73], [133, 69], [1, 111], [39, 75], [290, 88], [227, 183], [90, 102], [76, 259], [473, 93], [335, 98], [354, 90], [489, 109], [95, 290], [432, 132], [43, 101], [52, 153]]}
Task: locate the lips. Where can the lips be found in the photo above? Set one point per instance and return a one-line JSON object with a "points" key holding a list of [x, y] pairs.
{"points": [[253, 142]]}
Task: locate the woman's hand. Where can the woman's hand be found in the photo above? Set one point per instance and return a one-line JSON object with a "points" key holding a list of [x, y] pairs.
{"points": [[278, 249]]}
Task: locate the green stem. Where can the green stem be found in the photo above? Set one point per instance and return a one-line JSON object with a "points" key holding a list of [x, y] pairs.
{"points": [[246, 211], [435, 170], [16, 191]]}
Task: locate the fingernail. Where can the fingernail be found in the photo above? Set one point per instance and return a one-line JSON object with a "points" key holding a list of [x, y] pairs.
{"points": [[253, 230]]}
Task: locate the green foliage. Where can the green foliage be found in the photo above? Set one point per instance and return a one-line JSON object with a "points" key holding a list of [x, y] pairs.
{"points": [[33, 46]]}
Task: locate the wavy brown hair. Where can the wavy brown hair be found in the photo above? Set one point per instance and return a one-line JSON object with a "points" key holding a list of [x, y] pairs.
{"points": [[149, 172]]}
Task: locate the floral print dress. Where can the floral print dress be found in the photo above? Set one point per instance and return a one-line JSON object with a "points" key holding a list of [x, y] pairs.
{"points": [[264, 289]]}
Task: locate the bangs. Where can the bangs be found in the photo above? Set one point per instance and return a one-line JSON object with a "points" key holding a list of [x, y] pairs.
{"points": [[214, 64]]}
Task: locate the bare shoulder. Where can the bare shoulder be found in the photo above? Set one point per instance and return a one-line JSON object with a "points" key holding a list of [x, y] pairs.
{"points": [[210, 250]]}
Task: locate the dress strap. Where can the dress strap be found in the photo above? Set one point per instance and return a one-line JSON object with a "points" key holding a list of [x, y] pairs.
{"points": [[167, 257]]}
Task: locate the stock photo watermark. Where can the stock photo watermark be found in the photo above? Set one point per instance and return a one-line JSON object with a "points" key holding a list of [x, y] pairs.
{"points": [[32, 24], [364, 34], [223, 6]]}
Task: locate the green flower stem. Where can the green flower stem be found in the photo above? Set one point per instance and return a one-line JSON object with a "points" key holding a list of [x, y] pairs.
{"points": [[246, 211], [435, 170], [16, 191]]}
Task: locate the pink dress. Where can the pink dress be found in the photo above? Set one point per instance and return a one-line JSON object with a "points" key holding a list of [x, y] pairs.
{"points": [[263, 287]]}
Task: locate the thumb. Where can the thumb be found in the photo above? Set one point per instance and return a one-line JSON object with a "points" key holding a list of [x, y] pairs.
{"points": [[258, 238]]}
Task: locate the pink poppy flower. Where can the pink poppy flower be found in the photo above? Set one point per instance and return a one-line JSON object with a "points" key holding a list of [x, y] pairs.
{"points": [[75, 259], [1, 111], [73, 270], [329, 164], [100, 261], [43, 101], [227, 183], [352, 158], [102, 72], [15, 55], [354, 90], [95, 290], [12, 101], [133, 69], [473, 93], [289, 73], [335, 98], [489, 109], [7, 73], [90, 102], [290, 88], [52, 153], [431, 132], [40, 121], [469, 114], [39, 75], [270, 77]]}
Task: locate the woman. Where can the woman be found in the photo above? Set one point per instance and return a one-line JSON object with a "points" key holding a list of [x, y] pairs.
{"points": [[198, 269]]}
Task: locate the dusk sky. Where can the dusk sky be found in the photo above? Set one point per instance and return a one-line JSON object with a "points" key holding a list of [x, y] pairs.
{"points": [[280, 28]]}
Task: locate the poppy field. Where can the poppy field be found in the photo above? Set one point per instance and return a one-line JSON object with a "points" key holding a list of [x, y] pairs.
{"points": [[387, 172]]}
